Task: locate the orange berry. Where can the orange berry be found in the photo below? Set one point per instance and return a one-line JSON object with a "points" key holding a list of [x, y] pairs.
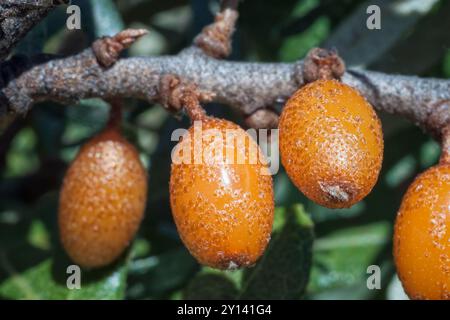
{"points": [[422, 236], [331, 143], [102, 200], [223, 209]]}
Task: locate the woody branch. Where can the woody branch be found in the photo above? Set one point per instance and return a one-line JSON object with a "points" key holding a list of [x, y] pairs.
{"points": [[247, 87]]}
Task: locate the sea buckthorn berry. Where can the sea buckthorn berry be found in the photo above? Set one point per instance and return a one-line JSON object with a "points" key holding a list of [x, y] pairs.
{"points": [[102, 200], [331, 143], [222, 206], [422, 236]]}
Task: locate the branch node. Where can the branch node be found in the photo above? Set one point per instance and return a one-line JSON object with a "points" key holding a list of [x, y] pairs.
{"points": [[176, 93], [322, 64], [108, 49], [215, 39]]}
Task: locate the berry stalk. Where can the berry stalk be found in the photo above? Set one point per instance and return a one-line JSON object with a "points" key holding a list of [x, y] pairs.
{"points": [[193, 108], [115, 114]]}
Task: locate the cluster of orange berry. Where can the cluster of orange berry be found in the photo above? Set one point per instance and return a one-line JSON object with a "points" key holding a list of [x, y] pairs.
{"points": [[331, 146]]}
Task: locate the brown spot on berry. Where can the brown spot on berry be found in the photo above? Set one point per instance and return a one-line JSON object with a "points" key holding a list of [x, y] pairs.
{"points": [[331, 143]]}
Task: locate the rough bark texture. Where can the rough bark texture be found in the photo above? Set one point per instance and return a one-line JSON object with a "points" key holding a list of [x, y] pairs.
{"points": [[17, 17], [252, 88], [245, 86]]}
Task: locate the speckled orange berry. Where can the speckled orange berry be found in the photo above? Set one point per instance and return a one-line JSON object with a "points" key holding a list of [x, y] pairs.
{"points": [[331, 143], [102, 200], [223, 207], [422, 236]]}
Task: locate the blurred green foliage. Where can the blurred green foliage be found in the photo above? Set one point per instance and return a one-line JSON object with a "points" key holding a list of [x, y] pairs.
{"points": [[315, 253]]}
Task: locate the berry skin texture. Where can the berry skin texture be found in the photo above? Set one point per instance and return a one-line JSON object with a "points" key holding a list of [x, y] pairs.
{"points": [[102, 200], [331, 143], [223, 210], [422, 236]]}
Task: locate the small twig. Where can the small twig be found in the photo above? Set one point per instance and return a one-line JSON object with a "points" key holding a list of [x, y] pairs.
{"points": [[245, 86], [176, 94], [193, 108], [108, 49], [115, 113], [322, 64], [215, 39]]}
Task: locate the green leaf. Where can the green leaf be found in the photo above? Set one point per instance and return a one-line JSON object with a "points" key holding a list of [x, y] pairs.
{"points": [[211, 286], [283, 271], [48, 280], [82, 122], [401, 171], [21, 158], [296, 46], [35, 267], [285, 192], [49, 126], [446, 65], [155, 276], [214, 284], [429, 153], [43, 33], [14, 222], [341, 260]]}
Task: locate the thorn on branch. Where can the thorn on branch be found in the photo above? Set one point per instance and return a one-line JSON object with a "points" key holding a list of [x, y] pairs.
{"points": [[108, 49], [322, 64], [215, 39], [175, 94]]}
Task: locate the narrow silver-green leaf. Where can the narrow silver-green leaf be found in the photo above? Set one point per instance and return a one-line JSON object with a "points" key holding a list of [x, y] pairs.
{"points": [[48, 280], [100, 18], [341, 260], [283, 271]]}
